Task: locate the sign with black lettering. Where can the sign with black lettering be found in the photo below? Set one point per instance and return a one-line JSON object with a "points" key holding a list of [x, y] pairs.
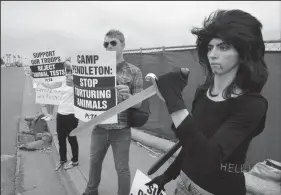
{"points": [[139, 187], [47, 67], [94, 77], [47, 96]]}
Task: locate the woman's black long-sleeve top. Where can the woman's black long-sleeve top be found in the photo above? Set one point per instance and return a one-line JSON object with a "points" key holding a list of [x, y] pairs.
{"points": [[215, 137]]}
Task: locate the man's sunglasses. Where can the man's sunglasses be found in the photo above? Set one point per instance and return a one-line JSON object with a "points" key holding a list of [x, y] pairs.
{"points": [[106, 44]]}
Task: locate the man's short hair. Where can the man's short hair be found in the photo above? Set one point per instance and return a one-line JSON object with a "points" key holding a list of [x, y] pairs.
{"points": [[116, 34]]}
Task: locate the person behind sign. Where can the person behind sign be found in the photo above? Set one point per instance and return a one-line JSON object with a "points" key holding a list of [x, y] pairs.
{"points": [[129, 81], [46, 109], [66, 120], [228, 111]]}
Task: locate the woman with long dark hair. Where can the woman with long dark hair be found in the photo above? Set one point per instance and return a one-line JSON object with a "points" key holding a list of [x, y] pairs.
{"points": [[228, 110]]}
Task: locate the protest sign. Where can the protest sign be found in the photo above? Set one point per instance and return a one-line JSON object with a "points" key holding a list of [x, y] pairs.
{"points": [[47, 96], [47, 67], [94, 77], [139, 187]]}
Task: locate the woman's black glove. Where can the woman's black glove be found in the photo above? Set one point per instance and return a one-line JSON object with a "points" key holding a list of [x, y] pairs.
{"points": [[171, 86], [160, 181]]}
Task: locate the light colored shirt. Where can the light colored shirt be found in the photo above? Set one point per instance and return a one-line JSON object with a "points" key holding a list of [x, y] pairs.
{"points": [[66, 105]]}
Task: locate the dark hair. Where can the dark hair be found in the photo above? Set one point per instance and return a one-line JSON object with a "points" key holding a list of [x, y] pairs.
{"points": [[113, 33], [243, 31]]}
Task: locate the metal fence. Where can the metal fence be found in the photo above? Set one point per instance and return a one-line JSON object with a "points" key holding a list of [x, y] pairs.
{"points": [[270, 45], [274, 45]]}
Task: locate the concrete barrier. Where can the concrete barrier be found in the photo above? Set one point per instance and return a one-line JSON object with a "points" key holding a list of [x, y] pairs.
{"points": [[153, 141]]}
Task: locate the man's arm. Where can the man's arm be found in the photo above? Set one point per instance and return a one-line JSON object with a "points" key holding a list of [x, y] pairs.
{"points": [[137, 86]]}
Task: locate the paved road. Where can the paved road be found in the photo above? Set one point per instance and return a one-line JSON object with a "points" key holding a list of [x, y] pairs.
{"points": [[11, 103], [34, 173]]}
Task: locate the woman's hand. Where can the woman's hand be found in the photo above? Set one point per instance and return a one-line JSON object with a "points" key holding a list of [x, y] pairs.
{"points": [[123, 91], [160, 181], [171, 86]]}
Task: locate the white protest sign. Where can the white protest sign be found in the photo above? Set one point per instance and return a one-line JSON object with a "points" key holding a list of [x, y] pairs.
{"points": [[139, 187], [94, 77], [47, 96], [47, 66]]}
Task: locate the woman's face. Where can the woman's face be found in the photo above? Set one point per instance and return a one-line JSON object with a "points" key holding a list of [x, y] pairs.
{"points": [[68, 70], [223, 58]]}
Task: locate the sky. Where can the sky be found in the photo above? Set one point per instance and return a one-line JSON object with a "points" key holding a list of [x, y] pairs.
{"points": [[68, 26]]}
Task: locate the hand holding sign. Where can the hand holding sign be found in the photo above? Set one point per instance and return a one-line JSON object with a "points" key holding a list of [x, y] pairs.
{"points": [[160, 181], [124, 91], [139, 187]]}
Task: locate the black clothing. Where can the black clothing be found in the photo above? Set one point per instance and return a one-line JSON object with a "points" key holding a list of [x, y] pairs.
{"points": [[65, 124], [171, 86], [216, 133]]}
